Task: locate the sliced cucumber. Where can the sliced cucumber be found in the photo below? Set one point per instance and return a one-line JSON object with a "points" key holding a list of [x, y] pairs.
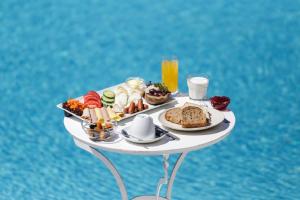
{"points": [[107, 104], [109, 94], [107, 100]]}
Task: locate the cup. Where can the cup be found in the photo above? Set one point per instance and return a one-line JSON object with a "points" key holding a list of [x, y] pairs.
{"points": [[142, 127], [197, 85]]}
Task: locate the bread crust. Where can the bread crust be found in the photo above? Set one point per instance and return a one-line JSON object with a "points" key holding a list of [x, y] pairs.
{"points": [[193, 117], [174, 115]]}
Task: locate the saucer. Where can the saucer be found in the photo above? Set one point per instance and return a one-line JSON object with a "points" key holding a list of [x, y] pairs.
{"points": [[159, 134]]}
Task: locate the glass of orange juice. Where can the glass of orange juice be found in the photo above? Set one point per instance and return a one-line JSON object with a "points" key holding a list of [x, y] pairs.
{"points": [[169, 73]]}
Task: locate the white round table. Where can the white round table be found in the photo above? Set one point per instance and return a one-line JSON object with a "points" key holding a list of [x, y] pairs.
{"points": [[188, 141]]}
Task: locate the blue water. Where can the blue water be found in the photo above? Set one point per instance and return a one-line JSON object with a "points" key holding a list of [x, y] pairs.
{"points": [[51, 50]]}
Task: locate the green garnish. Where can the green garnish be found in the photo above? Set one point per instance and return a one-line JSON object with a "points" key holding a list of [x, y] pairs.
{"points": [[162, 87]]}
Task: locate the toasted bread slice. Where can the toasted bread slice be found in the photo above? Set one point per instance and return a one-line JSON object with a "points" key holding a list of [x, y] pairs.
{"points": [[174, 115], [193, 117]]}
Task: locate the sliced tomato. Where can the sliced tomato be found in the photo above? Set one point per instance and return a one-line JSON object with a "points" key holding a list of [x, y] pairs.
{"points": [[93, 93], [95, 103], [91, 101], [90, 97]]}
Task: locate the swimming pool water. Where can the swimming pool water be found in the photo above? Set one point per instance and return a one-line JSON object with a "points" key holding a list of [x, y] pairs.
{"points": [[52, 50]]}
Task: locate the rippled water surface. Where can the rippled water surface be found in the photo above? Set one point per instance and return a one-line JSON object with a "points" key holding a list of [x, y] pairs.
{"points": [[51, 50]]}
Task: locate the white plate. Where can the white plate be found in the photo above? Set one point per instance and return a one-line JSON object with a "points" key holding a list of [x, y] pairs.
{"points": [[216, 118], [140, 141]]}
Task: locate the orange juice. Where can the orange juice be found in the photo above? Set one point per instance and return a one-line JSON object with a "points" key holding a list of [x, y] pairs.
{"points": [[169, 72]]}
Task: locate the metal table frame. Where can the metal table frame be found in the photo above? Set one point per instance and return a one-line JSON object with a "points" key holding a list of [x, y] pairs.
{"points": [[163, 181]]}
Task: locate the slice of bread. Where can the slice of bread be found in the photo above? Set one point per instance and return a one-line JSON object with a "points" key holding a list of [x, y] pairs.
{"points": [[174, 115], [193, 117]]}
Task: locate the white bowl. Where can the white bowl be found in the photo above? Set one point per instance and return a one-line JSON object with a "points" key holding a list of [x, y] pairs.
{"points": [[142, 127]]}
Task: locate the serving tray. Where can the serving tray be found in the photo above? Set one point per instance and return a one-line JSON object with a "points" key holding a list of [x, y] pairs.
{"points": [[126, 116]]}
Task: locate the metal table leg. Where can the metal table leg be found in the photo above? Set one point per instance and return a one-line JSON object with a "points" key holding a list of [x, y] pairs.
{"points": [[173, 175], [165, 179], [113, 170], [108, 164]]}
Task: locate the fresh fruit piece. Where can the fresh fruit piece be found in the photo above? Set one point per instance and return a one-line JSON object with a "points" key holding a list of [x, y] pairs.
{"points": [[107, 100], [109, 94], [220, 102]]}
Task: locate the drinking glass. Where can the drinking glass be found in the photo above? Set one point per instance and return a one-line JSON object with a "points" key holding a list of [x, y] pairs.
{"points": [[169, 73], [197, 85]]}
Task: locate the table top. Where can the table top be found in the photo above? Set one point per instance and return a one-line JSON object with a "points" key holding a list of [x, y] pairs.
{"points": [[188, 141]]}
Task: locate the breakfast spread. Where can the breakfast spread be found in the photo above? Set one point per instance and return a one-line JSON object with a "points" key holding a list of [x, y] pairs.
{"points": [[101, 110], [188, 116], [117, 103]]}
